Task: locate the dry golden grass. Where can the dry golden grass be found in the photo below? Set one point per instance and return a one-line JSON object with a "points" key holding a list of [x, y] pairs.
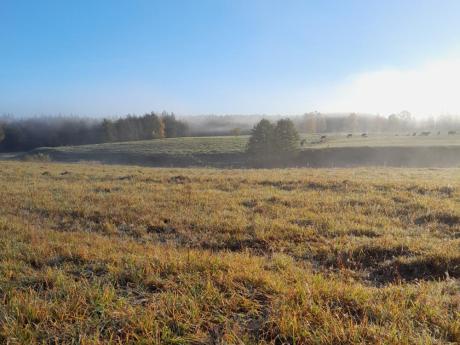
{"points": [[94, 254]]}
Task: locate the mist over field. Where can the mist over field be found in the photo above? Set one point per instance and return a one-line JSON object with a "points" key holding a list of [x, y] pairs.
{"points": [[19, 134]]}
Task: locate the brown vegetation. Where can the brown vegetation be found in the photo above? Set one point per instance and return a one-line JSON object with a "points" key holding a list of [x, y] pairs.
{"points": [[95, 254]]}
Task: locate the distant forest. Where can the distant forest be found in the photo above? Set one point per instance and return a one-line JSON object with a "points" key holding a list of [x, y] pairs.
{"points": [[316, 122], [22, 134], [30, 133]]}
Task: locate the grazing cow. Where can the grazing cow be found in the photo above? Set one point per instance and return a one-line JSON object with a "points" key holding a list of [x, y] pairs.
{"points": [[364, 135], [349, 135], [451, 132], [323, 137], [425, 134], [414, 134], [302, 142]]}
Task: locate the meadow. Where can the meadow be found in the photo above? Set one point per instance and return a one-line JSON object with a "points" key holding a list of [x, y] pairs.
{"points": [[335, 150], [232, 144], [95, 254]]}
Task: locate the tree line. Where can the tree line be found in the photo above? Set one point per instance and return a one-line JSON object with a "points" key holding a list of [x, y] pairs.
{"points": [[315, 122], [30, 133], [404, 121]]}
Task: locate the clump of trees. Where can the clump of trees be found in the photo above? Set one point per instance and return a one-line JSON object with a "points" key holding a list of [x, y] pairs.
{"points": [[273, 141], [27, 134], [149, 126]]}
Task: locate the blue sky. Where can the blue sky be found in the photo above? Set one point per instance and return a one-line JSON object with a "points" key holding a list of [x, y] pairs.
{"points": [[110, 57]]}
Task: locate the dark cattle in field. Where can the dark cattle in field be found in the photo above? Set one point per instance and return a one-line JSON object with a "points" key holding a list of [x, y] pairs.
{"points": [[323, 138], [414, 134], [364, 135], [451, 132], [349, 135], [425, 134], [302, 142]]}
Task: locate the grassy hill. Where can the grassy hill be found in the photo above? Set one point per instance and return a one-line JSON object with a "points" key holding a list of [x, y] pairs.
{"points": [[225, 151], [170, 146], [232, 144], [113, 254]]}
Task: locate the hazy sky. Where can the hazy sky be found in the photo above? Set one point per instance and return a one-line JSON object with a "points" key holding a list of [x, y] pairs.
{"points": [[103, 57]]}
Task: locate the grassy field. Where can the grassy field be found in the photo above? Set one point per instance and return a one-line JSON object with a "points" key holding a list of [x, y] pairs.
{"points": [[171, 146], [229, 152], [228, 144], [96, 254]]}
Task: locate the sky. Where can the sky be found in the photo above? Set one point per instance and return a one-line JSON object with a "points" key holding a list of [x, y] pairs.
{"points": [[113, 57]]}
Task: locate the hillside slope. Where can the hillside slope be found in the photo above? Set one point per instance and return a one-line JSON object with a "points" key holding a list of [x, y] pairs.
{"points": [[335, 151]]}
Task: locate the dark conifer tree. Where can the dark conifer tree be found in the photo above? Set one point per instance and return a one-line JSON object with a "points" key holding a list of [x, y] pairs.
{"points": [[286, 139], [261, 141]]}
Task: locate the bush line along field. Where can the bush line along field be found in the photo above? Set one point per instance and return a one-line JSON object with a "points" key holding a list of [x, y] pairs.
{"points": [[97, 254]]}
